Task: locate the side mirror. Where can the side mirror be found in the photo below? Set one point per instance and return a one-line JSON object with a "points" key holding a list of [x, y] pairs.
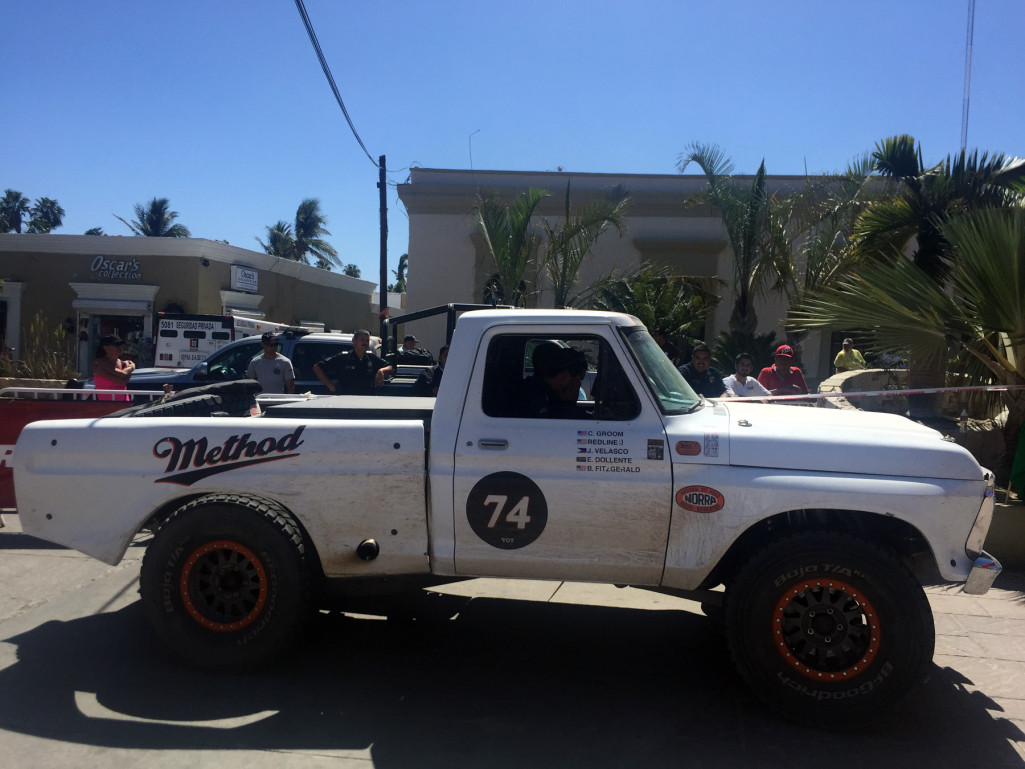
{"points": [[201, 371]]}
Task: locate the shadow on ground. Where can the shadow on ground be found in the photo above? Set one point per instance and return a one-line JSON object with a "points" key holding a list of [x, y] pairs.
{"points": [[502, 684]]}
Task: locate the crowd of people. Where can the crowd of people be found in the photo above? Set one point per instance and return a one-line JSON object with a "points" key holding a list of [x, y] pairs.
{"points": [[781, 378], [555, 382]]}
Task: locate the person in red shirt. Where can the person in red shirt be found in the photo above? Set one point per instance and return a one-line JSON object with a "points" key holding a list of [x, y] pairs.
{"points": [[782, 378]]}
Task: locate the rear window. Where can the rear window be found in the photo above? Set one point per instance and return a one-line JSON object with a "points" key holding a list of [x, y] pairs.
{"points": [[307, 352]]}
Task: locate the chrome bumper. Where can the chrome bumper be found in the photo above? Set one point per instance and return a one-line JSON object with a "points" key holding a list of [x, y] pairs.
{"points": [[985, 569]]}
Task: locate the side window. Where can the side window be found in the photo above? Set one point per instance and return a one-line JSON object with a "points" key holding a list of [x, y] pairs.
{"points": [[306, 354], [232, 363], [560, 377]]}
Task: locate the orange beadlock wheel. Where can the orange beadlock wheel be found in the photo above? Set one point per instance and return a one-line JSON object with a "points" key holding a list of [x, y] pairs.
{"points": [[223, 586], [826, 630]]}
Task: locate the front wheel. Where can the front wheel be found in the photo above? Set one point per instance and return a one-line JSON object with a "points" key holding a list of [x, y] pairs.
{"points": [[829, 629], [225, 581]]}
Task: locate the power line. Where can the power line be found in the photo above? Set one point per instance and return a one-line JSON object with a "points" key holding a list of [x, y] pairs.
{"points": [[330, 78]]}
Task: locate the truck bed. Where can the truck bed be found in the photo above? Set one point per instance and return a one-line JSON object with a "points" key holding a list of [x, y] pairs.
{"points": [[355, 407]]}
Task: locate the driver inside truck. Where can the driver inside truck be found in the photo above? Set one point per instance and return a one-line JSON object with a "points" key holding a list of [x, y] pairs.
{"points": [[554, 387]]}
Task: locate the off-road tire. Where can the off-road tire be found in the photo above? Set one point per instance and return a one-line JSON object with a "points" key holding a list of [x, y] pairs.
{"points": [[226, 581], [235, 398], [829, 629]]}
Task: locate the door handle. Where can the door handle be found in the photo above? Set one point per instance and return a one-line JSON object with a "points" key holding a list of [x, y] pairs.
{"points": [[493, 443]]}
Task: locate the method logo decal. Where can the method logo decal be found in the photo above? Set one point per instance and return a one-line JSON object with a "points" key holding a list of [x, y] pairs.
{"points": [[688, 448], [237, 451], [507, 510], [699, 499]]}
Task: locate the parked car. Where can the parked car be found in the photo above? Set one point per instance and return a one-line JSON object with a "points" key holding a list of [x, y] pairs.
{"points": [[231, 361]]}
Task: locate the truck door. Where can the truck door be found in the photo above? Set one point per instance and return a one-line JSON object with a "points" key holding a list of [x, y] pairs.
{"points": [[560, 489]]}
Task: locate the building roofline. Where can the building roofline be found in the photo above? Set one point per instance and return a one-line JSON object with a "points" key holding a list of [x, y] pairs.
{"points": [[189, 248]]}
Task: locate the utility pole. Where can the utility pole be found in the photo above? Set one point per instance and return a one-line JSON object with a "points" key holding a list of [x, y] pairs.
{"points": [[967, 75], [382, 306]]}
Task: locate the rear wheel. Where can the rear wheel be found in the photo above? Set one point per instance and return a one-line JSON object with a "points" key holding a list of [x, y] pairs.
{"points": [[226, 582], [828, 628]]}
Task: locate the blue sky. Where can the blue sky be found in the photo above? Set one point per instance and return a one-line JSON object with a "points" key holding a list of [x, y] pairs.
{"points": [[221, 106]]}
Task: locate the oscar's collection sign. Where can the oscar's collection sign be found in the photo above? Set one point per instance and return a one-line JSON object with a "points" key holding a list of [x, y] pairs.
{"points": [[116, 269]]}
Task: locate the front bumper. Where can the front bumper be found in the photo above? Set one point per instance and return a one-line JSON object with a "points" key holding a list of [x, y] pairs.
{"points": [[985, 569]]}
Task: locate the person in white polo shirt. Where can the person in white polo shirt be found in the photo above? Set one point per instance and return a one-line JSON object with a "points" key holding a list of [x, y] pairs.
{"points": [[742, 384]]}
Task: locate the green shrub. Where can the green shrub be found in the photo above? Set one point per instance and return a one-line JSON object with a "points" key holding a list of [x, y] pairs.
{"points": [[45, 354]]}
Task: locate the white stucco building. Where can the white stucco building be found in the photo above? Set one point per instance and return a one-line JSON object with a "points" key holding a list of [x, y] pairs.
{"points": [[448, 261]]}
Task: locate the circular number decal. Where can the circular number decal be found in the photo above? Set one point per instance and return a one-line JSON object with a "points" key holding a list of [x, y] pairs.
{"points": [[507, 510]]}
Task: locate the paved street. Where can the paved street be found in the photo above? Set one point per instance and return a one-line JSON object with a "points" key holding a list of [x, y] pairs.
{"points": [[491, 674]]}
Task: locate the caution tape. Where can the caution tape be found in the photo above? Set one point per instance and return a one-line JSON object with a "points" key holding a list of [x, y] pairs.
{"points": [[877, 393]]}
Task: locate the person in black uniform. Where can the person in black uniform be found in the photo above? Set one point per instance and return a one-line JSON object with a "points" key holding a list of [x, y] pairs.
{"points": [[700, 374], [427, 384], [357, 371]]}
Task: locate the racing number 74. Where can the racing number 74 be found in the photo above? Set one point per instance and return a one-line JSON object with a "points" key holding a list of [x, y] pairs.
{"points": [[517, 515], [507, 510]]}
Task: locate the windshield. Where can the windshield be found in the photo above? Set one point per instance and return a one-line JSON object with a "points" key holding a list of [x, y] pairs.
{"points": [[673, 393]]}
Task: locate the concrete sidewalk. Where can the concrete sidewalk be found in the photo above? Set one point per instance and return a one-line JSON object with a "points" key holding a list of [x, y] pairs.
{"points": [[484, 673]]}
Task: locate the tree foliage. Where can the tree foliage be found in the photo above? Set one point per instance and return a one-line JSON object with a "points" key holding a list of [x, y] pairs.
{"points": [[302, 240], [511, 240], [155, 220], [658, 298], [926, 197], [14, 208], [569, 242], [399, 286], [749, 219], [982, 319], [46, 214]]}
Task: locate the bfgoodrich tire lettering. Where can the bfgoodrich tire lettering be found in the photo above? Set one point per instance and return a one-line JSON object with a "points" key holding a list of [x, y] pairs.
{"points": [[829, 629], [225, 581]]}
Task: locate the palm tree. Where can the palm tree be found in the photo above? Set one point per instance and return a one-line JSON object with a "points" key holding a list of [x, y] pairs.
{"points": [[399, 286], [511, 241], [747, 218], [815, 227], [47, 215], [301, 240], [309, 229], [352, 270], [982, 318], [13, 209], [926, 197], [912, 221], [155, 220], [570, 242], [280, 241], [94, 231]]}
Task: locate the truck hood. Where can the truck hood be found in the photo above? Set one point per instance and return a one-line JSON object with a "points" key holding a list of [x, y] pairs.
{"points": [[828, 440]]}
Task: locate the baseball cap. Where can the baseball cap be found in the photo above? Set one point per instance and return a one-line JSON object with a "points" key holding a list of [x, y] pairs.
{"points": [[848, 340], [785, 350], [112, 340], [569, 359], [409, 338], [269, 338]]}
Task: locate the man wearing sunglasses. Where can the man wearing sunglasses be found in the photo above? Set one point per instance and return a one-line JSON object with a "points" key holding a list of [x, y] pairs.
{"points": [[272, 369]]}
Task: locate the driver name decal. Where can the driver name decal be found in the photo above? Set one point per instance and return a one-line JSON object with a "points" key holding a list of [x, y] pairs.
{"points": [[237, 451], [700, 499]]}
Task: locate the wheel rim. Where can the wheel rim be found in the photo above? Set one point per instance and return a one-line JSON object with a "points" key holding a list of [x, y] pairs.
{"points": [[223, 586], [826, 630]]}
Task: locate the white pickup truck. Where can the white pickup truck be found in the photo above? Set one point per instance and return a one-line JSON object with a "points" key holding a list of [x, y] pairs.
{"points": [[814, 521]]}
